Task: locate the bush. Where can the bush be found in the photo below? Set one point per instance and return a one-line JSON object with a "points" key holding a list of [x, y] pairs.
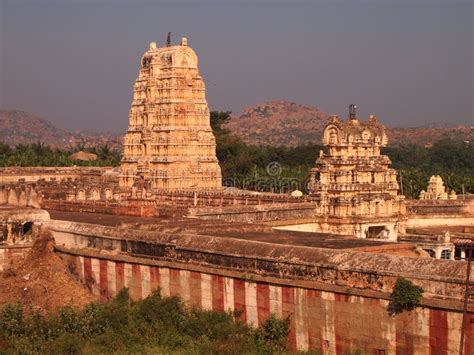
{"points": [[275, 331], [405, 296], [155, 324], [12, 322]]}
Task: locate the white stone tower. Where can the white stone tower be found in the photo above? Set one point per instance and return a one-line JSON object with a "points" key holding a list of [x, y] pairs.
{"points": [[353, 184], [169, 144]]}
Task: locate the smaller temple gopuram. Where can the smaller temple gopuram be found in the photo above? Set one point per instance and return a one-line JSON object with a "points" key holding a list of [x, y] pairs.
{"points": [[353, 185], [436, 190], [169, 144]]}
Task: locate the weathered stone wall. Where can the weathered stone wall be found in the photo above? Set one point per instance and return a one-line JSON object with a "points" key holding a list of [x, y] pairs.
{"points": [[33, 174], [438, 213], [439, 221], [440, 207], [276, 211], [224, 206], [441, 280], [337, 299], [125, 208], [324, 317], [20, 195], [213, 199]]}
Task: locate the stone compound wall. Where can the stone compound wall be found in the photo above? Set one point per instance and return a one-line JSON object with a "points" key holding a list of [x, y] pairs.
{"points": [[440, 207], [435, 213], [338, 299], [267, 211], [10, 175], [440, 221], [323, 320], [21, 195]]}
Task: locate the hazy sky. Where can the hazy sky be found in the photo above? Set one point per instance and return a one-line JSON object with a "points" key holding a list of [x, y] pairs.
{"points": [[410, 62]]}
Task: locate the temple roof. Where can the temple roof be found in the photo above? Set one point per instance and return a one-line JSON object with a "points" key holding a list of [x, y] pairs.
{"points": [[354, 131], [170, 56]]}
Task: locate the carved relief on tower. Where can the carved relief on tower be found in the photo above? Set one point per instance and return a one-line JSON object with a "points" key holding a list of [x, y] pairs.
{"points": [[169, 124], [331, 135], [353, 183]]}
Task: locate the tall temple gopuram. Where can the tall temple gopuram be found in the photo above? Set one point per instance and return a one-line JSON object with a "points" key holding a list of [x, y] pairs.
{"points": [[356, 191], [169, 144]]}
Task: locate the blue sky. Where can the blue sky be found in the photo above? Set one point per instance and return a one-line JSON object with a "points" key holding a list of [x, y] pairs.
{"points": [[410, 62]]}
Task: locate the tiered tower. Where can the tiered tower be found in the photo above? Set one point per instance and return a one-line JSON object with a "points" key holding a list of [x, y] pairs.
{"points": [[356, 191], [169, 144], [436, 190]]}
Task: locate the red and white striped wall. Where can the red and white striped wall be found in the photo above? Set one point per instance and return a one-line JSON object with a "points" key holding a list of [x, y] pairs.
{"points": [[327, 321]]}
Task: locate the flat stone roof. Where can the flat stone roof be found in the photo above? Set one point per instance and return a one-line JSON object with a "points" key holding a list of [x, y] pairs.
{"points": [[243, 231]]}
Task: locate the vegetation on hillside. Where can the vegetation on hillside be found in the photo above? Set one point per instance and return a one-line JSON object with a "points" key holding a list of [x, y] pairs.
{"points": [[279, 168], [154, 325], [250, 166], [39, 154]]}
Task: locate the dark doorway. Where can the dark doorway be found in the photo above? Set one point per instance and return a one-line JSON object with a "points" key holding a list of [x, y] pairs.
{"points": [[377, 232], [27, 227]]}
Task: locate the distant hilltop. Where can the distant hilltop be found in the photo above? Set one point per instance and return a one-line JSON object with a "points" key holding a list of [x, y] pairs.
{"points": [[277, 122], [287, 123], [20, 127]]}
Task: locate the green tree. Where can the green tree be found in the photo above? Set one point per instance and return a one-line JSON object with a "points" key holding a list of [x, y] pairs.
{"points": [[405, 296]]}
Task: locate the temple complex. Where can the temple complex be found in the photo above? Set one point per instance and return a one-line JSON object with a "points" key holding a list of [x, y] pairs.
{"points": [[355, 189], [169, 144], [436, 190], [327, 261]]}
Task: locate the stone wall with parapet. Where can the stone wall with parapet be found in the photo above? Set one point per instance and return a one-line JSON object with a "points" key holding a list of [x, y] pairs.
{"points": [[224, 198], [337, 300], [33, 174], [19, 194], [324, 318], [138, 208], [442, 280], [267, 211], [438, 213], [440, 207]]}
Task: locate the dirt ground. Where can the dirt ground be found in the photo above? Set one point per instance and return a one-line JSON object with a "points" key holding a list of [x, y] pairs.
{"points": [[41, 280]]}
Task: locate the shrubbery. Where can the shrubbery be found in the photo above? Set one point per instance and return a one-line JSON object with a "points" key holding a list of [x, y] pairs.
{"points": [[38, 154], [155, 324], [405, 296]]}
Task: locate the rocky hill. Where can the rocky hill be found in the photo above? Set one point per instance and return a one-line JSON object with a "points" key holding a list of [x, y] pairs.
{"points": [[287, 123], [20, 127], [272, 123], [279, 123], [428, 135]]}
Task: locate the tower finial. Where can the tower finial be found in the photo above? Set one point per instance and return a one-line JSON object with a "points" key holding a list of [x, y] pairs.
{"points": [[168, 40], [352, 112]]}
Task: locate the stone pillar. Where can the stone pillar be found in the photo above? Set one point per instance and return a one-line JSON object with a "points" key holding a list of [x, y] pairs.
{"points": [[3, 196], [12, 197], [463, 253], [438, 253], [9, 233]]}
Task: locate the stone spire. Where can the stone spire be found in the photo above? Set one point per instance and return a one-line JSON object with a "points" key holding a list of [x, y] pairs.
{"points": [[356, 190], [169, 144], [436, 190]]}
